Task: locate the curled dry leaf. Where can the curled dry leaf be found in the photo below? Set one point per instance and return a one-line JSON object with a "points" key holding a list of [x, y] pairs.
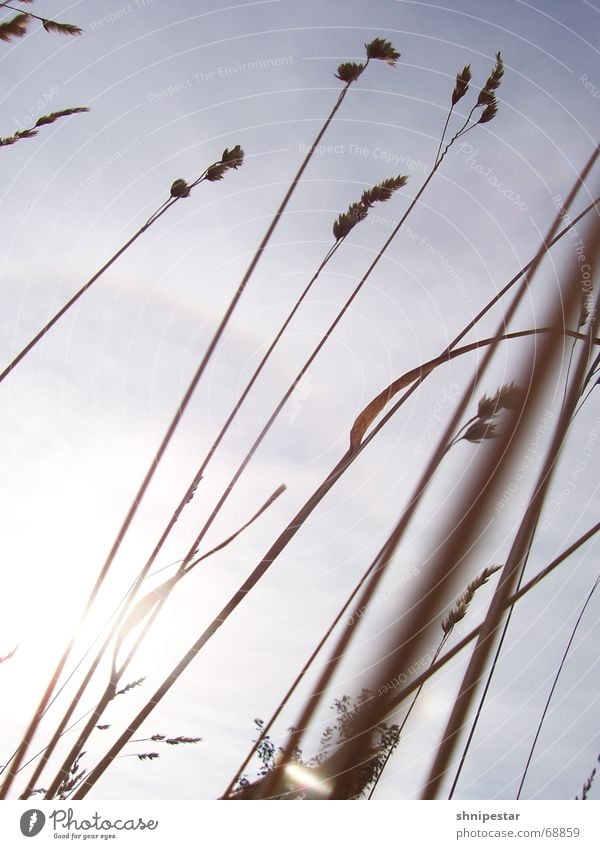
{"points": [[145, 606], [374, 407]]}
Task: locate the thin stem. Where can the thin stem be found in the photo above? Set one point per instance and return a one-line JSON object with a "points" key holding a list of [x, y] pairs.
{"points": [[524, 536], [23, 12], [290, 531], [443, 136], [471, 324], [512, 599], [260, 570], [240, 595], [168, 436], [186, 498], [450, 552], [554, 684], [297, 521], [116, 674], [73, 300], [396, 740]]}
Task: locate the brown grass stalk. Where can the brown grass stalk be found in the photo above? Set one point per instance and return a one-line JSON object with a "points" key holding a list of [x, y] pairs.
{"points": [[559, 670], [380, 192], [17, 758], [448, 557], [539, 375], [406, 691], [388, 54], [30, 132]]}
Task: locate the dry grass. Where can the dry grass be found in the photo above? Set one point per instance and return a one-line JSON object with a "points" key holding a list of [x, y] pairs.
{"points": [[355, 762]]}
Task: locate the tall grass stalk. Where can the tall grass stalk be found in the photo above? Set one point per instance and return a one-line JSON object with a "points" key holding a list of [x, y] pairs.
{"points": [[409, 689], [262, 568], [457, 613], [539, 375], [492, 667], [149, 606], [423, 370], [559, 670], [377, 50], [426, 367], [342, 227], [156, 215], [465, 127], [16, 759], [446, 559]]}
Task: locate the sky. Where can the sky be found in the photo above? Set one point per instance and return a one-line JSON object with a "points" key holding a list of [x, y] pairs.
{"points": [[169, 85]]}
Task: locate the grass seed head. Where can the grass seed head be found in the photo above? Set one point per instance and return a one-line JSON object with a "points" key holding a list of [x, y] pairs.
{"points": [[61, 29], [480, 430], [15, 28], [486, 95], [349, 71], [180, 189], [383, 50], [463, 78], [230, 159]]}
